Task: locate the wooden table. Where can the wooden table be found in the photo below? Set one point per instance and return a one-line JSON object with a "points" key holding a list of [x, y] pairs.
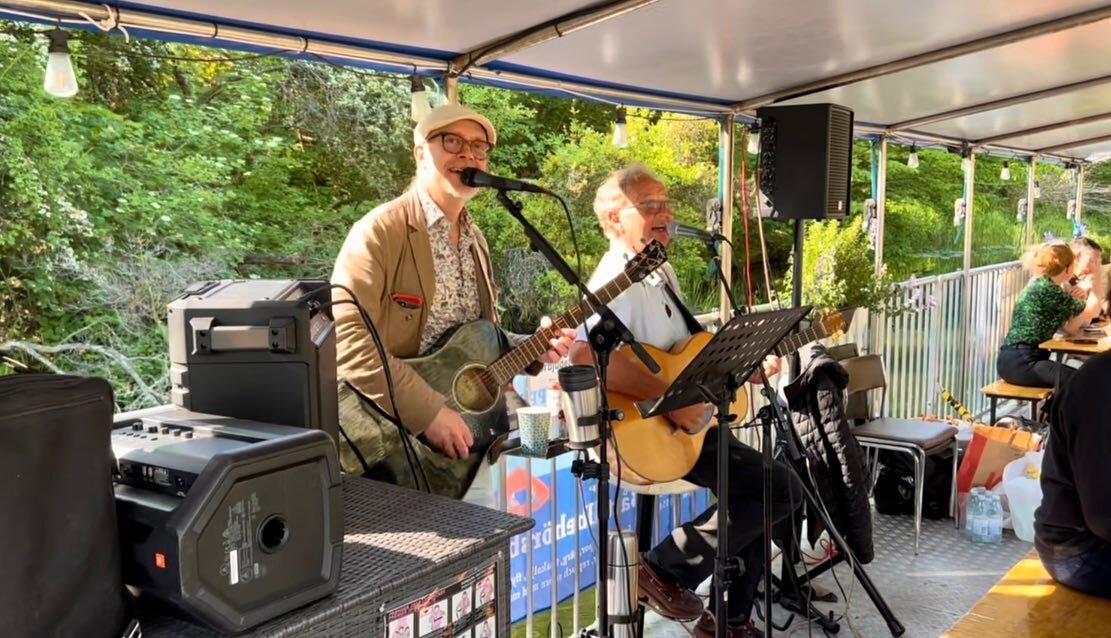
{"points": [[1068, 345], [1065, 346], [1027, 602]]}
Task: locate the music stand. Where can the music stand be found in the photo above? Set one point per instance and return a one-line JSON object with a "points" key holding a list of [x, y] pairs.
{"points": [[714, 376]]}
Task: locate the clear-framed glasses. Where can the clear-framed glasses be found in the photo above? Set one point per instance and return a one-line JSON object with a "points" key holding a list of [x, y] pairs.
{"points": [[453, 143], [654, 206]]}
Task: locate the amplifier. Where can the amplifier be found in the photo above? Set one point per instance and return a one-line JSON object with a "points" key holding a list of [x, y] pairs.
{"points": [[232, 522]]}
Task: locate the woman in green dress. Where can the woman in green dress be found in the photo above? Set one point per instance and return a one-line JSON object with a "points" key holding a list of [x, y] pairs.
{"points": [[1048, 304]]}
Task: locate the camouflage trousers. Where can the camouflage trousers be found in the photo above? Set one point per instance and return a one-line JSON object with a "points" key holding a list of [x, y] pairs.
{"points": [[382, 447]]}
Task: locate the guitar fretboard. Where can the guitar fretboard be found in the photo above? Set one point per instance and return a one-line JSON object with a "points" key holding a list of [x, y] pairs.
{"points": [[792, 343], [523, 355]]}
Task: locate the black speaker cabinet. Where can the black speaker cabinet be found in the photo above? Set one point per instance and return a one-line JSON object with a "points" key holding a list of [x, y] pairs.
{"points": [[806, 159]]}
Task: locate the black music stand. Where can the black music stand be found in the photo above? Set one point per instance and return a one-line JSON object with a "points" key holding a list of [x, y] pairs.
{"points": [[715, 375]]}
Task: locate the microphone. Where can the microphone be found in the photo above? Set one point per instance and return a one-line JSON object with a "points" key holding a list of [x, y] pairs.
{"points": [[675, 229], [480, 179], [580, 400]]}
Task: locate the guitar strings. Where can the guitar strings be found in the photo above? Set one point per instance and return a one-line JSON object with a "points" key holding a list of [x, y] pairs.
{"points": [[529, 350]]}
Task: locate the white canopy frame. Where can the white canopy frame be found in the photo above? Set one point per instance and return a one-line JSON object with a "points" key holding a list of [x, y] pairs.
{"points": [[1021, 78]]}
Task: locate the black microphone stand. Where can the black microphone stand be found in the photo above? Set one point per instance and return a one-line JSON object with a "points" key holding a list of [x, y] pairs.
{"points": [[772, 416], [726, 569], [606, 335]]}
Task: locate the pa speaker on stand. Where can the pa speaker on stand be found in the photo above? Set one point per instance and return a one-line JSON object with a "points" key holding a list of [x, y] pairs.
{"points": [[806, 160]]}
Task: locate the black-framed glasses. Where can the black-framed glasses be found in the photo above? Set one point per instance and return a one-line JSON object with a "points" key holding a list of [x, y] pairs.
{"points": [[453, 143], [654, 206]]}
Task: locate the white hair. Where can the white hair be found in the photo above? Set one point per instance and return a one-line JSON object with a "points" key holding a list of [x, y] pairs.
{"points": [[611, 194]]}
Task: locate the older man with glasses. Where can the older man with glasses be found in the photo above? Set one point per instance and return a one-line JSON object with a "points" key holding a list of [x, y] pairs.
{"points": [[633, 208], [420, 267]]}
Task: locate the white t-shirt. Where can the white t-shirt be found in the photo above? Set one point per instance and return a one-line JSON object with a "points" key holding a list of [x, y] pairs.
{"points": [[645, 307]]}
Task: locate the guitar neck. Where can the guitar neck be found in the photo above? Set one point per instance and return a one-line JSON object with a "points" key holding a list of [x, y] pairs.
{"points": [[792, 343], [520, 357]]}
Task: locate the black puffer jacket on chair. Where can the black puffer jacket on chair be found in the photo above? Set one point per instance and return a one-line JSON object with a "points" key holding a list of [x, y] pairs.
{"points": [[838, 469]]}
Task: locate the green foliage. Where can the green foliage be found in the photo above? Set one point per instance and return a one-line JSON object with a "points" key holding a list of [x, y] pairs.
{"points": [[164, 170], [838, 270]]}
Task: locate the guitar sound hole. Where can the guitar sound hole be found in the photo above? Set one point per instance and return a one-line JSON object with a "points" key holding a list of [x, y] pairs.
{"points": [[472, 393]]}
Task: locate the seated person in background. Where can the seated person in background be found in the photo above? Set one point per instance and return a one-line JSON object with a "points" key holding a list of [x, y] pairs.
{"points": [[1088, 266], [1042, 309], [1072, 528]]}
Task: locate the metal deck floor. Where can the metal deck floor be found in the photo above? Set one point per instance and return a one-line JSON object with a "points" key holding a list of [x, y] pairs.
{"points": [[927, 593]]}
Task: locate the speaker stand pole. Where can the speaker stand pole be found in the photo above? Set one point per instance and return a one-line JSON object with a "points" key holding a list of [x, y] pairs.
{"points": [[796, 272]]}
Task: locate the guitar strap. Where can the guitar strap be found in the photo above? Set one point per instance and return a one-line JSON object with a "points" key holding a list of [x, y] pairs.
{"points": [[692, 324]]}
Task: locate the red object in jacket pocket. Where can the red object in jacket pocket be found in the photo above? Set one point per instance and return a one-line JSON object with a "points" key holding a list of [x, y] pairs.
{"points": [[407, 301]]}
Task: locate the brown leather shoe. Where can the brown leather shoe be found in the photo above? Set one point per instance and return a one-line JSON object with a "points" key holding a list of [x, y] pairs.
{"points": [[707, 628], [667, 597]]}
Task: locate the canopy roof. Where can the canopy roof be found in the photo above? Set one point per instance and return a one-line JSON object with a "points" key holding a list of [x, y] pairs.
{"points": [[1022, 76]]}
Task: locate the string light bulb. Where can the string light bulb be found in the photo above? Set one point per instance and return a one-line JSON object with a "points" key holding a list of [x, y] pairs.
{"points": [[1037, 189], [620, 133], [60, 80], [753, 141], [418, 98], [1005, 174], [912, 159]]}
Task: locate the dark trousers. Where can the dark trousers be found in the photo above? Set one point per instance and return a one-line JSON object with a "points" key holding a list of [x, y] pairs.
{"points": [[1089, 572], [1031, 366], [689, 553]]}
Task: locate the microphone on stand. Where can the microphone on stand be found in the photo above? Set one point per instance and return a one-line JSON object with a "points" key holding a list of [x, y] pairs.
{"points": [[580, 401], [675, 229], [480, 179]]}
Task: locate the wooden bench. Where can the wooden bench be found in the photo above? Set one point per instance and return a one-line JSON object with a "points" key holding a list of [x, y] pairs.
{"points": [[1027, 602], [1002, 390]]}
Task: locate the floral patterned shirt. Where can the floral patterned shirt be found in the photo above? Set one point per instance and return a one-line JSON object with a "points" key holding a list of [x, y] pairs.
{"points": [[1040, 311], [456, 299]]}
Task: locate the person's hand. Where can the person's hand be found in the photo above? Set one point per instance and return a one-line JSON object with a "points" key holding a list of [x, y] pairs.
{"points": [[772, 365], [692, 418], [558, 345], [449, 435], [1081, 289]]}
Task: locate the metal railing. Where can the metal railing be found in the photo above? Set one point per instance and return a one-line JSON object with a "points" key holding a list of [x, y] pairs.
{"points": [[938, 343]]}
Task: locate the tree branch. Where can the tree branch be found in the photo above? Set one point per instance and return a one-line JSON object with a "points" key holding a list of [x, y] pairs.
{"points": [[37, 352]]}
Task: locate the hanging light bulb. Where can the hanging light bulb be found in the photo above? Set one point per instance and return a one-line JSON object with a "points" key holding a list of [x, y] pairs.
{"points": [[753, 141], [1037, 189], [912, 159], [620, 134], [1005, 174], [60, 80], [418, 100]]}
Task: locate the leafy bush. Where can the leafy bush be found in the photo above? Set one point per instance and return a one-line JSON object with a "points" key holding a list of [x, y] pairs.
{"points": [[838, 270]]}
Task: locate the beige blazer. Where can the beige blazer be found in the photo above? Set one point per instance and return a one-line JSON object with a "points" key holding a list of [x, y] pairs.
{"points": [[387, 261]]}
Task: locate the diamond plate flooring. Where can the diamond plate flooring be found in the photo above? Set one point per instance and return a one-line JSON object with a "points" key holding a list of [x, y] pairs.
{"points": [[927, 592]]}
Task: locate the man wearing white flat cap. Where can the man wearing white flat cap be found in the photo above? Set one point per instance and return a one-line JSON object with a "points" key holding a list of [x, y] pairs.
{"points": [[419, 266]]}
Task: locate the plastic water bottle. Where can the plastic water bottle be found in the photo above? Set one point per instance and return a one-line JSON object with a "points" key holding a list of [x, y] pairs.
{"points": [[979, 516], [995, 519], [970, 508]]}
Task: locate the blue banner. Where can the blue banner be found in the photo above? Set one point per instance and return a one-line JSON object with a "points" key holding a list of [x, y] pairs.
{"points": [[560, 495]]}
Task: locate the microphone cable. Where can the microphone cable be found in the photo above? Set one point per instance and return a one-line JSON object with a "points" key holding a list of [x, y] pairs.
{"points": [[411, 457]]}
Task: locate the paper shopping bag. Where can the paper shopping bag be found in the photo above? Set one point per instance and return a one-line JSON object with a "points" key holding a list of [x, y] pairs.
{"points": [[989, 451]]}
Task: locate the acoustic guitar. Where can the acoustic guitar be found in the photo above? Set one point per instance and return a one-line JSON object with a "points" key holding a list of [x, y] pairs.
{"points": [[472, 363], [653, 449]]}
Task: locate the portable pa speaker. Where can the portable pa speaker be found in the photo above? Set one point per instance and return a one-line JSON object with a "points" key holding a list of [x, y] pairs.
{"points": [[229, 521], [805, 159]]}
